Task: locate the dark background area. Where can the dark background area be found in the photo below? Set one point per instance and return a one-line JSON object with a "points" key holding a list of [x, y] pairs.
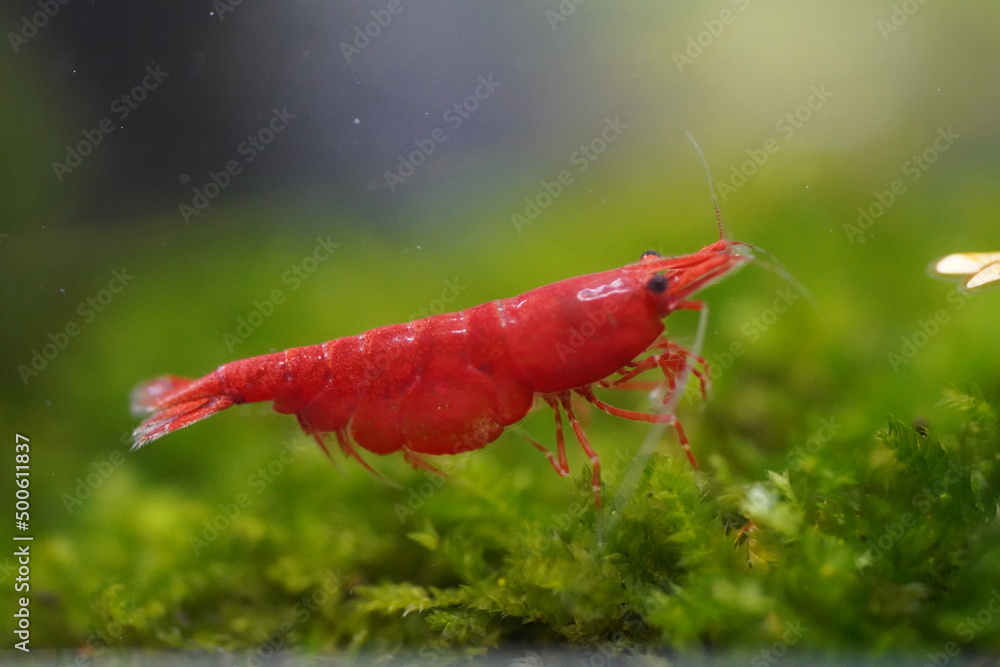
{"points": [[356, 110]]}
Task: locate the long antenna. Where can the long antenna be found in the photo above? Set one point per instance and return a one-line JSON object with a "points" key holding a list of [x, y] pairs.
{"points": [[711, 186]]}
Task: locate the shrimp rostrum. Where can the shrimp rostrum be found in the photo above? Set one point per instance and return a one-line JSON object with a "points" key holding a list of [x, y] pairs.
{"points": [[454, 382]]}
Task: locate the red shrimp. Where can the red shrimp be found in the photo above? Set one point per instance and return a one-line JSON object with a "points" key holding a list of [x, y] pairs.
{"points": [[453, 382]]}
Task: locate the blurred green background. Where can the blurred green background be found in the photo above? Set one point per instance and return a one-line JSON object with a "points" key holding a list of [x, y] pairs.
{"points": [[807, 112]]}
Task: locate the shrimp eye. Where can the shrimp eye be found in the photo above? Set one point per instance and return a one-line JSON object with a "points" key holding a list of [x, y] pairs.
{"points": [[657, 284], [649, 253]]}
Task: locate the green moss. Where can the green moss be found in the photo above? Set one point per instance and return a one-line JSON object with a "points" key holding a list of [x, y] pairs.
{"points": [[896, 546], [820, 523]]}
